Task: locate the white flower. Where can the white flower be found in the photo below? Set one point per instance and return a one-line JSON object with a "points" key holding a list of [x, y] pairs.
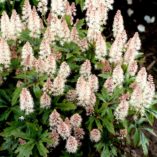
{"points": [[118, 24], [6, 27], [58, 7], [141, 77], [100, 50], [95, 135], [5, 54], [16, 24], [76, 120], [93, 83], [58, 86], [45, 101], [118, 75], [34, 24], [26, 101], [71, 145], [42, 6], [85, 69], [64, 70], [121, 111], [83, 91], [45, 49], [26, 11], [149, 92], [64, 130], [54, 119], [27, 56]]}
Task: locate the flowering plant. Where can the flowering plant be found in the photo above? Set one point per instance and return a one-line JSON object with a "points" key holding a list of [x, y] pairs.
{"points": [[66, 90]]}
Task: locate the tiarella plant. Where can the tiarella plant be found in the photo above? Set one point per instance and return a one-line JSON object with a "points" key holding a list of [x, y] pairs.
{"points": [[65, 90]]}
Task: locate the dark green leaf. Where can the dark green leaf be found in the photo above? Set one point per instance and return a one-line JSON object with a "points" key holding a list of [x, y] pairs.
{"points": [[66, 106], [42, 149], [16, 95], [25, 150], [109, 126]]}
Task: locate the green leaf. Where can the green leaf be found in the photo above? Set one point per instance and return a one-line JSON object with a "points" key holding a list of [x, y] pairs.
{"points": [[80, 23], [114, 151], [90, 122], [66, 106], [105, 152], [98, 124], [25, 150], [42, 149], [37, 91], [5, 115], [4, 94], [136, 137], [68, 20], [16, 95], [109, 126], [144, 142], [151, 131], [81, 3], [152, 111]]}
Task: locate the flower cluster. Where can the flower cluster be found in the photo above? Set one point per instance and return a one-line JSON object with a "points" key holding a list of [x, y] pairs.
{"points": [[69, 130], [88, 85], [96, 16]]}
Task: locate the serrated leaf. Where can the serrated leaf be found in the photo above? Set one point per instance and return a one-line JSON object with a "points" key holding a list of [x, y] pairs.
{"points": [[90, 123], [15, 96], [25, 150], [98, 124], [109, 126], [66, 106], [5, 115], [42, 149]]}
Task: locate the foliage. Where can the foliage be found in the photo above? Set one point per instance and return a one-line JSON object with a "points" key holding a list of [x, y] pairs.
{"points": [[26, 134]]}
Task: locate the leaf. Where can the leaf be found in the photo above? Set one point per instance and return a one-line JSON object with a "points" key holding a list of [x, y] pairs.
{"points": [[4, 94], [42, 149], [98, 124], [25, 150], [15, 96], [109, 126], [105, 76], [81, 3], [5, 115], [144, 142], [151, 131], [136, 137], [80, 23], [105, 152], [68, 20], [114, 151], [152, 111], [66, 106], [90, 123], [37, 91]]}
